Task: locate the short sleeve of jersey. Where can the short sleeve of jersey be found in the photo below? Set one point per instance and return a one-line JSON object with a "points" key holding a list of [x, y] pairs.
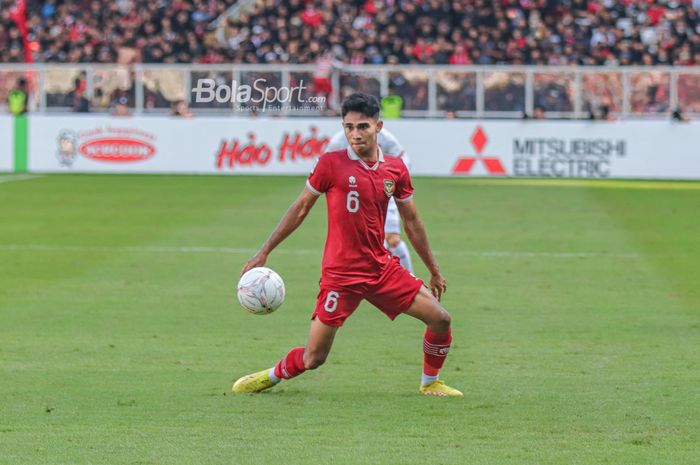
{"points": [[320, 178], [404, 187]]}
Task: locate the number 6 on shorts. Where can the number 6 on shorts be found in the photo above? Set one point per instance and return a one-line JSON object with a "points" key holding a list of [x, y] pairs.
{"points": [[331, 301]]}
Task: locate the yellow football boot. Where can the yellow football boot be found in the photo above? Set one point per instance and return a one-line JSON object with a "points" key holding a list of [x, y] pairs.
{"points": [[254, 383], [440, 389]]}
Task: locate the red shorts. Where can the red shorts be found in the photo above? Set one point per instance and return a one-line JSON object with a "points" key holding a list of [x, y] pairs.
{"points": [[392, 292]]}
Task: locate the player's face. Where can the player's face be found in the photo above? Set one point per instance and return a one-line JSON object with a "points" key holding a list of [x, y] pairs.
{"points": [[361, 132]]}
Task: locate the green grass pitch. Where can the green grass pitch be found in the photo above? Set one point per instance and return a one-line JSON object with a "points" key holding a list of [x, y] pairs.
{"points": [[576, 309]]}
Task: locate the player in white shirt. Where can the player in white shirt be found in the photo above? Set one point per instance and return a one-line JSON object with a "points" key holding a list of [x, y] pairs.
{"points": [[392, 228]]}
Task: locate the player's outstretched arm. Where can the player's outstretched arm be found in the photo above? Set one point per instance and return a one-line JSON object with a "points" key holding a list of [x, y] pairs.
{"points": [[290, 221], [415, 230]]}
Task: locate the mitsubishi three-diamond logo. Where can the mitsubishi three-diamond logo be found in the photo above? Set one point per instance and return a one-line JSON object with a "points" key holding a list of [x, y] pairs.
{"points": [[492, 164]]}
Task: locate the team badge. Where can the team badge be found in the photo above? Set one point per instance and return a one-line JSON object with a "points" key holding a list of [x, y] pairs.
{"points": [[389, 187]]}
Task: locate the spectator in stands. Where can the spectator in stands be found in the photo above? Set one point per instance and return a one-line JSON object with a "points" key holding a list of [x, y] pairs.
{"points": [[18, 98], [678, 116], [79, 101], [460, 56], [538, 113], [179, 109], [121, 107], [605, 114], [311, 16], [322, 75]]}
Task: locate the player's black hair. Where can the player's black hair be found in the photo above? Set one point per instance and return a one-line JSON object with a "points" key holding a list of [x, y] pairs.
{"points": [[360, 102]]}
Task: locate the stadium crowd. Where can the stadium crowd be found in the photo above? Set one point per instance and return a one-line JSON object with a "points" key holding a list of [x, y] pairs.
{"points": [[120, 31], [539, 32]]}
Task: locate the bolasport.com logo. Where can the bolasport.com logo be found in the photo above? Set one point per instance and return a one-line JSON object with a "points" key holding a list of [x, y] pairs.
{"points": [[105, 144], [260, 96]]}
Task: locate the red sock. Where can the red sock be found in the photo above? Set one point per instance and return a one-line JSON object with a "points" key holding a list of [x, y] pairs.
{"points": [[291, 365], [435, 349]]}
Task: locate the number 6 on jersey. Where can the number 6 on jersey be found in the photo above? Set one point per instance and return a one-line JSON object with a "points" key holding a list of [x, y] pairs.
{"points": [[353, 201]]}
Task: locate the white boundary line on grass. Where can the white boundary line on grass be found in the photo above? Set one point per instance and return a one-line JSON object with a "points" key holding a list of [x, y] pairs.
{"points": [[590, 183], [286, 251], [19, 177]]}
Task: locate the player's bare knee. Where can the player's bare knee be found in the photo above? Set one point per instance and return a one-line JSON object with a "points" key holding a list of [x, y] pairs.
{"points": [[393, 240], [441, 323], [313, 360]]}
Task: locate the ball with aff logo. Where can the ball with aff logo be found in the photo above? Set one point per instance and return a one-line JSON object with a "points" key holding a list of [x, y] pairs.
{"points": [[261, 291]]}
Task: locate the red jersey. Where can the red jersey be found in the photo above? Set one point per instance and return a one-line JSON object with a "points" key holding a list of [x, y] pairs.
{"points": [[357, 196]]}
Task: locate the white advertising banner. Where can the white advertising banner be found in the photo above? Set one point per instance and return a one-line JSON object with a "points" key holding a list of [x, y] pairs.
{"points": [[562, 149], [175, 145], [7, 144], [566, 149]]}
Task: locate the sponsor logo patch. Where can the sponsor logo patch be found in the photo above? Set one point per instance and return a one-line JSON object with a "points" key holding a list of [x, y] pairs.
{"points": [[105, 144], [464, 164], [117, 150]]}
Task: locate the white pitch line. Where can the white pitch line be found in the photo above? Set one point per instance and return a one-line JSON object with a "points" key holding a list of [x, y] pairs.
{"points": [[20, 177], [283, 251]]}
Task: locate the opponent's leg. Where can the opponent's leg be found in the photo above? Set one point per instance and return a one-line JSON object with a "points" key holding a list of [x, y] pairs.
{"points": [[398, 248], [392, 234], [295, 362], [436, 342]]}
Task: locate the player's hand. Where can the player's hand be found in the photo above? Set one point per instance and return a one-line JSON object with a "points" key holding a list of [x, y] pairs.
{"points": [[438, 285], [258, 260]]}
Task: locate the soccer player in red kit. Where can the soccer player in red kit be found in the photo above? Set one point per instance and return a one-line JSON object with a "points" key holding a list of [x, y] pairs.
{"points": [[358, 183]]}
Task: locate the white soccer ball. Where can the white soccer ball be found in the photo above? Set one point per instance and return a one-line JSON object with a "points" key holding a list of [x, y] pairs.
{"points": [[261, 291]]}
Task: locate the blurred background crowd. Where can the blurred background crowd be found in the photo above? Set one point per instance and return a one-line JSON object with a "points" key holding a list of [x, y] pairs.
{"points": [[538, 32]]}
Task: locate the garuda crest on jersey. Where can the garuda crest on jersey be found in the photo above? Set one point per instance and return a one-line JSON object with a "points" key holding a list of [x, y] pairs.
{"points": [[389, 186]]}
